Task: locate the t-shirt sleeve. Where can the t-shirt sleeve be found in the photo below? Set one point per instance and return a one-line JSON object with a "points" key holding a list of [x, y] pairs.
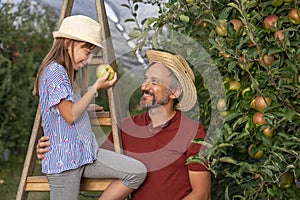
{"points": [[58, 86], [194, 150]]}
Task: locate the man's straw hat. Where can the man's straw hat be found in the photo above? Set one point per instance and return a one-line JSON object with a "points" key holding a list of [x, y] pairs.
{"points": [[81, 28], [182, 71]]}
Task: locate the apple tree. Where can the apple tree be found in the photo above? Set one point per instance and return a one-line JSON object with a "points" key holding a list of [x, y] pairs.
{"points": [[255, 46], [25, 38]]}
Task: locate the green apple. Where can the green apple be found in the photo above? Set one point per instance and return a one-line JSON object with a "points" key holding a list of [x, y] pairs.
{"points": [[102, 69]]}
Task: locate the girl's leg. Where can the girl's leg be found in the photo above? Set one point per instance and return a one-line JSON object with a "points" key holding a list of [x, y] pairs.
{"points": [[129, 172], [65, 185]]}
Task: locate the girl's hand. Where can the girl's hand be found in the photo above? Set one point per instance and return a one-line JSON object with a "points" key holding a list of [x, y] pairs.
{"points": [[104, 83]]}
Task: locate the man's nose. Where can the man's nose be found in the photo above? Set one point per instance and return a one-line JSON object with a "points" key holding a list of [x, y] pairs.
{"points": [[146, 84]]}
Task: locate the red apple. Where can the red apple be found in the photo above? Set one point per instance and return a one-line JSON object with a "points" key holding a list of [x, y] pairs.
{"points": [[261, 103], [102, 69], [237, 25], [268, 132], [266, 60], [279, 35], [258, 118], [294, 16], [198, 21], [17, 54], [270, 22]]}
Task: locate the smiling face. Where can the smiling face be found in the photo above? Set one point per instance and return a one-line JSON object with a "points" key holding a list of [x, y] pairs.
{"points": [[81, 54], [156, 87]]}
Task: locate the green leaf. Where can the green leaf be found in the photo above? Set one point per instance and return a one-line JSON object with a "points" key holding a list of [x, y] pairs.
{"points": [[228, 160], [289, 115], [129, 20], [125, 5], [134, 33], [149, 21], [225, 145], [231, 116]]}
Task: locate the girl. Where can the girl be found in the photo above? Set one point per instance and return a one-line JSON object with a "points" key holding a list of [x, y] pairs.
{"points": [[74, 151]]}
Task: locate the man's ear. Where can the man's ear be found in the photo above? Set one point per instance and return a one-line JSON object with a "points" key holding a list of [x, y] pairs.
{"points": [[175, 94]]}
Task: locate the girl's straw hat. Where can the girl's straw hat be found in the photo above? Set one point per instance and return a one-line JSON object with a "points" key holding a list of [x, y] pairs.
{"points": [[182, 71], [81, 28]]}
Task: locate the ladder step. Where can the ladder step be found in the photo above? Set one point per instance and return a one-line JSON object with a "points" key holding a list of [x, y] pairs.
{"points": [[40, 184], [100, 118]]}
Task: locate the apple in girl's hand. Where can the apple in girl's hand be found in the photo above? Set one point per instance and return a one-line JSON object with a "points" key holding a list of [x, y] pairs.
{"points": [[102, 69]]}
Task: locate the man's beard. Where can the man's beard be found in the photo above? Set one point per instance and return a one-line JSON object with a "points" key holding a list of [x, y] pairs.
{"points": [[154, 103]]}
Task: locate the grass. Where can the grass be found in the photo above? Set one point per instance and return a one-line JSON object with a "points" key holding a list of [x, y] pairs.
{"points": [[11, 170], [10, 173]]}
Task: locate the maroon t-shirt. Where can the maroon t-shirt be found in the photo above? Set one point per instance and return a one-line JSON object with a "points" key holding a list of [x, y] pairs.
{"points": [[164, 150]]}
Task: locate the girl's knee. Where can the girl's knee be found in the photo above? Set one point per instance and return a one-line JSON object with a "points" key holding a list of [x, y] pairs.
{"points": [[135, 179]]}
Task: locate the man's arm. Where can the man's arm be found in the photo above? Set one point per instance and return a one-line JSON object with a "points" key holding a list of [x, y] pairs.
{"points": [[201, 186], [42, 147]]}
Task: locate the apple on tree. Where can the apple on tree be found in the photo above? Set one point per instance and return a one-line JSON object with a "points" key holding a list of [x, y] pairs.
{"points": [[234, 85], [268, 132], [255, 151], [294, 16], [238, 26], [221, 29], [279, 35], [266, 60], [102, 69], [262, 102], [258, 118], [270, 23], [221, 104]]}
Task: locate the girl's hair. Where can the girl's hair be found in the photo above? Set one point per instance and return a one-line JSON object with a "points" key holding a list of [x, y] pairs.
{"points": [[59, 54]]}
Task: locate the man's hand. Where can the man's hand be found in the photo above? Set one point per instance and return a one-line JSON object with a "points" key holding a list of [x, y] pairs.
{"points": [[42, 147]]}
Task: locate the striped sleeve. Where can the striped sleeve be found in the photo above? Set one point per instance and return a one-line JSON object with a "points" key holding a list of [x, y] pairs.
{"points": [[58, 85]]}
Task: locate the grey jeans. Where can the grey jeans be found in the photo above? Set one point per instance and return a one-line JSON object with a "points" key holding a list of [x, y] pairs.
{"points": [[109, 164]]}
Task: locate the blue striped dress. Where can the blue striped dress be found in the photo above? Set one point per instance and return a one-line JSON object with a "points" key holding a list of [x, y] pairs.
{"points": [[72, 145]]}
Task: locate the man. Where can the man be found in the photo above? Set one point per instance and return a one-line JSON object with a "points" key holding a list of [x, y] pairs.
{"points": [[161, 137]]}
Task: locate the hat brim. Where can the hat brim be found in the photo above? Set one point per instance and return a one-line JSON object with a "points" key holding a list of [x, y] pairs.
{"points": [[183, 73], [57, 34]]}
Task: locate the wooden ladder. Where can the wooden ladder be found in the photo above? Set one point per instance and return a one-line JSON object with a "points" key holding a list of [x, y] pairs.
{"points": [[29, 182]]}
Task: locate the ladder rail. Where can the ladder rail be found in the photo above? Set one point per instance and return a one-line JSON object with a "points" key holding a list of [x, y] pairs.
{"points": [[115, 105]]}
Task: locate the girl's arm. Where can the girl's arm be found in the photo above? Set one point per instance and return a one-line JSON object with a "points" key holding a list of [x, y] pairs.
{"points": [[72, 111]]}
